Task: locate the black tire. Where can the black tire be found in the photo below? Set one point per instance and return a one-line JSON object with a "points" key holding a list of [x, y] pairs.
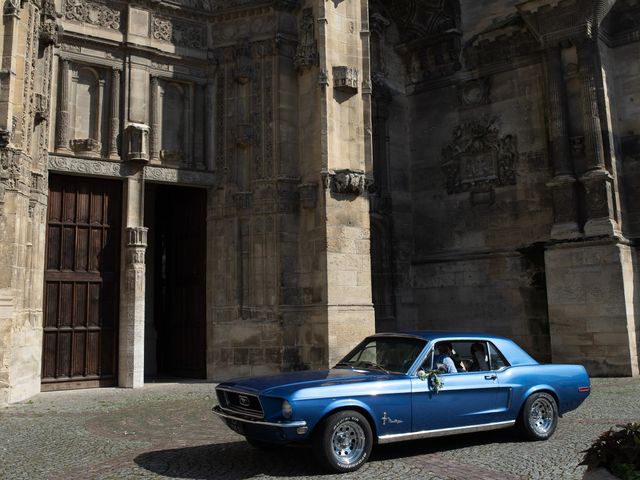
{"points": [[538, 417], [343, 441], [259, 444]]}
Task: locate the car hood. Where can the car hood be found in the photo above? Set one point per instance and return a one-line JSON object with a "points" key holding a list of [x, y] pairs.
{"points": [[287, 383]]}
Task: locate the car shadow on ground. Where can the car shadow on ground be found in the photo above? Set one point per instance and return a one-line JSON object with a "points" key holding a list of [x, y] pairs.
{"points": [[238, 460], [233, 461]]}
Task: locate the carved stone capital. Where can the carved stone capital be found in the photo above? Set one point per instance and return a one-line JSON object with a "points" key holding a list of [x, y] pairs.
{"points": [[345, 79]]}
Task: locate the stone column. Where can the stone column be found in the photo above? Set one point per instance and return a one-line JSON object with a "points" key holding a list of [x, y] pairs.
{"points": [[99, 109], [115, 115], [62, 122], [131, 365], [597, 180], [154, 147], [563, 184]]}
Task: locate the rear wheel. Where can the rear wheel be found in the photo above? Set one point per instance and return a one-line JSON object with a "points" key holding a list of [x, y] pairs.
{"points": [[344, 441], [539, 416]]}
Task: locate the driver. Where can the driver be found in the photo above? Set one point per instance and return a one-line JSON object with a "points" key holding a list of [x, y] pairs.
{"points": [[444, 357]]}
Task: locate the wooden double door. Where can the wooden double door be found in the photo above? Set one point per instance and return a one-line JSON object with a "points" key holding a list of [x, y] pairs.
{"points": [[81, 292]]}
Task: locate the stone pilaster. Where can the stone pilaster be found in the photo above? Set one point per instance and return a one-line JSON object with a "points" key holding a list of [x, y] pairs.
{"points": [[563, 184], [154, 147], [189, 126], [114, 127], [597, 180], [131, 365], [198, 135], [62, 121], [210, 126], [590, 294]]}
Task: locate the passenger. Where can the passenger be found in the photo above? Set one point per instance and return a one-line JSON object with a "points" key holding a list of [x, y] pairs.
{"points": [[444, 358], [478, 359]]}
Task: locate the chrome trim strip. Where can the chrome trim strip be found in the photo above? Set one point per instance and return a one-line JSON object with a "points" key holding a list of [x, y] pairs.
{"points": [[400, 437], [217, 410]]}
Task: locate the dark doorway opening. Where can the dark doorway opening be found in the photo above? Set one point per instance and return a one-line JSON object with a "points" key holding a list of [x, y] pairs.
{"points": [[176, 282]]}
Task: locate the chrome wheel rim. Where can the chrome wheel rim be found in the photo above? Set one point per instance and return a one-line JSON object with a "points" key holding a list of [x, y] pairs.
{"points": [[348, 442], [541, 416]]}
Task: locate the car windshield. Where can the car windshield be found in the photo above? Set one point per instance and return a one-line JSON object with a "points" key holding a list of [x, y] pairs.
{"points": [[388, 354]]}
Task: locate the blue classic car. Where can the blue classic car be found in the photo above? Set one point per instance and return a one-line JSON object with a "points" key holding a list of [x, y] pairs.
{"points": [[402, 386]]}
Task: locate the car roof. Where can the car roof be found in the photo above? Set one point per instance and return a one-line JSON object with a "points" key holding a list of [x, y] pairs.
{"points": [[439, 334]]}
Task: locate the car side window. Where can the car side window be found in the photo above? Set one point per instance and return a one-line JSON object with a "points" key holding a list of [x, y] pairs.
{"points": [[496, 359], [427, 364]]}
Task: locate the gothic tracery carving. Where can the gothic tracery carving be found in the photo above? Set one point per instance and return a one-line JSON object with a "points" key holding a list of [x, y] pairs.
{"points": [[184, 34]]}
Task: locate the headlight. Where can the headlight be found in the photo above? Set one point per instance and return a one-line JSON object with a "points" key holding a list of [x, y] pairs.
{"points": [[287, 409]]}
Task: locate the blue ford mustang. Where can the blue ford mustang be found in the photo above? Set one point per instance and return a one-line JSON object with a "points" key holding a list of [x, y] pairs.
{"points": [[402, 386]]}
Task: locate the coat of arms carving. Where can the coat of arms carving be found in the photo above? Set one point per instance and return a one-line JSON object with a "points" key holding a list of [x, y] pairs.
{"points": [[479, 157]]}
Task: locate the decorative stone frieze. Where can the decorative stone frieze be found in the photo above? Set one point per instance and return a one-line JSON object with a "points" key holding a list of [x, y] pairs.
{"points": [[86, 147], [479, 157], [345, 79], [92, 13], [307, 50], [178, 32]]}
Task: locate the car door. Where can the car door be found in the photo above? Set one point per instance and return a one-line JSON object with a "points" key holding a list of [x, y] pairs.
{"points": [[466, 398]]}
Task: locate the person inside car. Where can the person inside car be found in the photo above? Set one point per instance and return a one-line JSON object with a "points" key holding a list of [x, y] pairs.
{"points": [[443, 360], [478, 359]]}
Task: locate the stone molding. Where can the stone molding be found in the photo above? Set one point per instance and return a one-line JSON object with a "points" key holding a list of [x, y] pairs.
{"points": [[479, 157], [104, 168]]}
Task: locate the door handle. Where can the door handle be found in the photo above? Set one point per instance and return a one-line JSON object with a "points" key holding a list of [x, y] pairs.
{"points": [[491, 377]]}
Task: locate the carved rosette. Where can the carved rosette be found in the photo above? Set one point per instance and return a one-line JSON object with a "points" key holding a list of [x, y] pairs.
{"points": [[479, 157]]}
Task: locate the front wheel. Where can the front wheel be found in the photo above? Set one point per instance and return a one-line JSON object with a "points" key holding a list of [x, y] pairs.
{"points": [[539, 416], [344, 441]]}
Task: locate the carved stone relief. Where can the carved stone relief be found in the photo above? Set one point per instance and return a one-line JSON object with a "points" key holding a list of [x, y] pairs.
{"points": [[307, 51], [93, 13], [345, 181], [479, 157]]}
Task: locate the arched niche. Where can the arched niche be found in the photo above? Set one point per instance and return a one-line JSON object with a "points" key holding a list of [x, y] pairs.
{"points": [[172, 110]]}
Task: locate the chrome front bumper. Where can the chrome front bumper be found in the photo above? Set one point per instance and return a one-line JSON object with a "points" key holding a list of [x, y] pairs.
{"points": [[217, 410]]}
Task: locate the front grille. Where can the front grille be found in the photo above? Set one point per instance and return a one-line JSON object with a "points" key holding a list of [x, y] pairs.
{"points": [[244, 403]]}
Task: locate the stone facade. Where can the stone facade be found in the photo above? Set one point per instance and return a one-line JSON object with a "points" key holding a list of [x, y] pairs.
{"points": [[382, 164]]}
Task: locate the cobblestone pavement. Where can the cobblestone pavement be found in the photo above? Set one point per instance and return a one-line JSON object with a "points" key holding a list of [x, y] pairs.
{"points": [[167, 431]]}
